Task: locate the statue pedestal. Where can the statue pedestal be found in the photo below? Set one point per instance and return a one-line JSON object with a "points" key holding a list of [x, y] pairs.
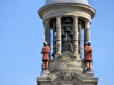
{"points": [[67, 78], [44, 73], [89, 71]]}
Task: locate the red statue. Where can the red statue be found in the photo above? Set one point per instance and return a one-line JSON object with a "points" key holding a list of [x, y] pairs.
{"points": [[45, 51], [88, 56]]}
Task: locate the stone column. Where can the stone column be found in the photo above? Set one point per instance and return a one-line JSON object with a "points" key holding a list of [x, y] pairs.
{"points": [[54, 37], [47, 32], [80, 30], [87, 32], [75, 36], [58, 35]]}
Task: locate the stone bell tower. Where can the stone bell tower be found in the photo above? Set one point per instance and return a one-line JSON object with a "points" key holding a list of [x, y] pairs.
{"points": [[67, 31]]}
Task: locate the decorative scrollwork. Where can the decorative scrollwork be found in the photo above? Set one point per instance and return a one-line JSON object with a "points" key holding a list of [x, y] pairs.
{"points": [[67, 75]]}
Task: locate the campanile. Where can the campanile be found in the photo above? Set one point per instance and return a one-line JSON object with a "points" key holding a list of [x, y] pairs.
{"points": [[67, 52]]}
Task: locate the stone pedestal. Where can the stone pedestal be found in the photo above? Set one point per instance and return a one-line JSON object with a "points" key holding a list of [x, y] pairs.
{"points": [[45, 73], [67, 78], [66, 70]]}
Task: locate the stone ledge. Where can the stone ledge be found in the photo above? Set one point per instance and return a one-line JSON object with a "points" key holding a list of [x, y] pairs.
{"points": [[65, 5], [67, 77]]}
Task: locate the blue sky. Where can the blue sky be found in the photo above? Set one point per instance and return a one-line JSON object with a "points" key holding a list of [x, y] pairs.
{"points": [[21, 37]]}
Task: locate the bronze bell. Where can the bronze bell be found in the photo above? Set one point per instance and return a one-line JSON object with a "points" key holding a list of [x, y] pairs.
{"points": [[67, 29], [63, 32]]}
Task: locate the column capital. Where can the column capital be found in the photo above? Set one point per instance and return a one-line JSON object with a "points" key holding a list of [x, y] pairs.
{"points": [[74, 17], [87, 21], [58, 16], [45, 23]]}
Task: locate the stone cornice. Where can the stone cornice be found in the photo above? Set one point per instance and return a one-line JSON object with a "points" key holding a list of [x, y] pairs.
{"points": [[45, 8]]}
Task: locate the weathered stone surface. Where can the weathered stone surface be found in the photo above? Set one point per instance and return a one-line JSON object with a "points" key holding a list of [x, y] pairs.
{"points": [[67, 78], [64, 9], [65, 65]]}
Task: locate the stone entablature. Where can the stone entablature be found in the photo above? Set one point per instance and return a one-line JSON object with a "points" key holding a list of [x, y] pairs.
{"points": [[71, 9]]}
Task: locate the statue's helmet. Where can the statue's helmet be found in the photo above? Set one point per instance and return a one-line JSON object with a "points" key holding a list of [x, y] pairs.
{"points": [[45, 43], [89, 42]]}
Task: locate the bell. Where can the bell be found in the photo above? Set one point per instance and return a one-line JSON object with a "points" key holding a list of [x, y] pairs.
{"points": [[67, 29], [63, 33]]}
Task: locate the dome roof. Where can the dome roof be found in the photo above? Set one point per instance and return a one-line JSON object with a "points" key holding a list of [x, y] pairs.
{"points": [[67, 1]]}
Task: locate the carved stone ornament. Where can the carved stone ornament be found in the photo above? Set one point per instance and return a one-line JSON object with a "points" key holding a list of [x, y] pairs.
{"points": [[67, 75]]}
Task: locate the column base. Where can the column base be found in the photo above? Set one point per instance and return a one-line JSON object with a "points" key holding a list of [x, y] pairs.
{"points": [[77, 56], [57, 55]]}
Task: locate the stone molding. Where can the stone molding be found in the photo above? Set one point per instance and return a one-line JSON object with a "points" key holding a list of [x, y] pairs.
{"points": [[66, 78], [65, 65], [64, 9]]}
